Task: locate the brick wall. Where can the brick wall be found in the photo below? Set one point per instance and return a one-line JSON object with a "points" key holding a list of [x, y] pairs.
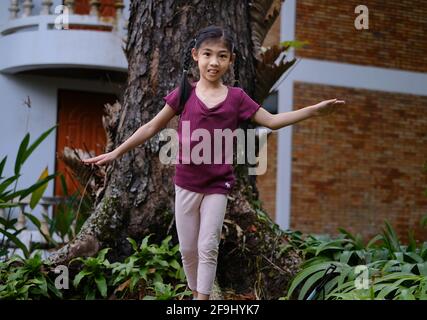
{"points": [[266, 183], [360, 166], [396, 37]]}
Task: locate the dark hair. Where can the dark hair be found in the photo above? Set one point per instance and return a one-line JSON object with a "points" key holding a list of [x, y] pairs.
{"points": [[211, 32]]}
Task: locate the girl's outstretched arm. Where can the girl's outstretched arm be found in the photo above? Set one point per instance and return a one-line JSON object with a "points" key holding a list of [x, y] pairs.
{"points": [[141, 135], [280, 120]]}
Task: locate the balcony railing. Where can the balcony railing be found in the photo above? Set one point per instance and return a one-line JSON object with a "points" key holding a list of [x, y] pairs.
{"points": [[27, 9], [36, 40]]}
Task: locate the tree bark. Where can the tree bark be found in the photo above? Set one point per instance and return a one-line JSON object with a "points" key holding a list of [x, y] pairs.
{"points": [[138, 197]]}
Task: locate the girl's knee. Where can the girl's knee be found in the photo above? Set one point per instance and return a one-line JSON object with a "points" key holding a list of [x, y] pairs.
{"points": [[189, 252], [208, 253]]}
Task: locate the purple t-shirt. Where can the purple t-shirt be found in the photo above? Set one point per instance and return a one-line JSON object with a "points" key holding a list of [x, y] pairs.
{"points": [[212, 177]]}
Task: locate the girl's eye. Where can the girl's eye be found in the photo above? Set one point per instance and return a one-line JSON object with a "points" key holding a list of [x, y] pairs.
{"points": [[206, 54]]}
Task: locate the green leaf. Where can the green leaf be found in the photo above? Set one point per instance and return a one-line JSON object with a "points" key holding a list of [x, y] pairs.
{"points": [[304, 274], [165, 242], [55, 291], [415, 257], [102, 253], [101, 284], [342, 277], [399, 256], [63, 185], [80, 276], [163, 263], [144, 242], [412, 246], [17, 242], [36, 143], [23, 193], [8, 224], [133, 282], [175, 264], [309, 284], [20, 156], [40, 281], [332, 245], [423, 250], [6, 183], [33, 219], [422, 268], [392, 238], [37, 185], [347, 233], [405, 294], [133, 244], [38, 193], [373, 241], [2, 163], [294, 43], [388, 288], [345, 256], [90, 295]]}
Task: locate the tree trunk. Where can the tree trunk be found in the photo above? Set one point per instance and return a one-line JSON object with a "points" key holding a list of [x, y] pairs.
{"points": [[138, 197]]}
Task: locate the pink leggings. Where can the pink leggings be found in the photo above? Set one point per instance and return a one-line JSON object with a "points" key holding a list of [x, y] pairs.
{"points": [[199, 218]]}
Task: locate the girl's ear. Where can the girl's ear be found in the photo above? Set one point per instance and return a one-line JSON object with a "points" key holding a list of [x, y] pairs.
{"points": [[194, 54]]}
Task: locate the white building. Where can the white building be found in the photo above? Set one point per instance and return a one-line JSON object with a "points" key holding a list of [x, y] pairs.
{"points": [[66, 62]]}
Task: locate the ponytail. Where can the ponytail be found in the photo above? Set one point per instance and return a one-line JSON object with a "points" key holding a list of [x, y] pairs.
{"points": [[236, 68], [185, 86]]}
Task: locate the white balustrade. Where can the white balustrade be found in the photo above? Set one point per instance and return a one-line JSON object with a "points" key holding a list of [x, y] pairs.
{"points": [[28, 7], [44, 224], [71, 5], [119, 5], [94, 7], [14, 9], [46, 4], [21, 217]]}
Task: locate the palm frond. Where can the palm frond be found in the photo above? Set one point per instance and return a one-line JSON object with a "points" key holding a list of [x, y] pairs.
{"points": [[262, 13], [268, 72], [92, 176]]}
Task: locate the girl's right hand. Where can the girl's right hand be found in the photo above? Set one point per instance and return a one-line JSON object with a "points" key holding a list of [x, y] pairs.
{"points": [[102, 159]]}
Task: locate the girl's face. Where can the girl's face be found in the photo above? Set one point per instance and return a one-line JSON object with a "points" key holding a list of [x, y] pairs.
{"points": [[213, 59]]}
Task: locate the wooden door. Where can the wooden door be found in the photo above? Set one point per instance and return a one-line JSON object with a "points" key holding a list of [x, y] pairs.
{"points": [[80, 126]]}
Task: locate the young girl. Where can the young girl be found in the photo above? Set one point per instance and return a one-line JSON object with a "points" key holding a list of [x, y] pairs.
{"points": [[201, 189]]}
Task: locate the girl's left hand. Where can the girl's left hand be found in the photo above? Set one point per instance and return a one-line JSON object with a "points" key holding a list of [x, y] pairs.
{"points": [[326, 107]]}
